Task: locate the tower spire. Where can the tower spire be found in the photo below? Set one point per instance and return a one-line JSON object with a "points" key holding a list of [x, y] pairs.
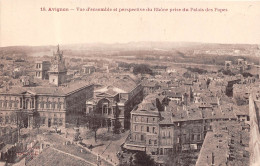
{"points": [[58, 49]]}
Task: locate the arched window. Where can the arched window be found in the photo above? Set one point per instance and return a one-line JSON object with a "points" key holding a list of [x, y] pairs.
{"points": [[42, 104], [16, 103], [48, 105], [53, 105], [59, 105], [5, 103], [32, 106], [26, 103]]}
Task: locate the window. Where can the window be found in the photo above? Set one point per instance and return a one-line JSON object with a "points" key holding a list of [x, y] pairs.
{"points": [[150, 142], [147, 129], [135, 127], [155, 142], [53, 105], [55, 122], [142, 128], [59, 105], [178, 139], [192, 137], [198, 137], [43, 120], [10, 104], [5, 104], [21, 101], [48, 105], [153, 129], [161, 151], [16, 103], [42, 104], [142, 137], [135, 119], [142, 120], [154, 119], [60, 122]]}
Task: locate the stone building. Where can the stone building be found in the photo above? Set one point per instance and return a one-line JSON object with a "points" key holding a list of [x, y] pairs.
{"points": [[57, 73], [52, 103], [41, 69], [55, 105], [159, 131], [119, 93], [88, 69]]}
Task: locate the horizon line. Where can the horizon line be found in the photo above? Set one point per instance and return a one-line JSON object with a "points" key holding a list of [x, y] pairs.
{"points": [[113, 43]]}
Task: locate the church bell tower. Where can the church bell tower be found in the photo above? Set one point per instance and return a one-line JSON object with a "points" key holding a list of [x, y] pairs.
{"points": [[58, 71]]}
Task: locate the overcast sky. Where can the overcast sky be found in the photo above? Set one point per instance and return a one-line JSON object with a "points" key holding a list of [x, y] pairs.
{"points": [[22, 22]]}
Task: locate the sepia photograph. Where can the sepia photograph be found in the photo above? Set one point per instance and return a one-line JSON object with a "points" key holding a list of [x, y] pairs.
{"points": [[129, 83]]}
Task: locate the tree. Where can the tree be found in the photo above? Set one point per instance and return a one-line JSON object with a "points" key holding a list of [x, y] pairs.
{"points": [[187, 75], [117, 124], [159, 105], [173, 158], [142, 159], [208, 82], [20, 118], [36, 120], [142, 69], [94, 122]]}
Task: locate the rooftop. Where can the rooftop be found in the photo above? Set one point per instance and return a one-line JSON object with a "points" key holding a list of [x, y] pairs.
{"points": [[47, 89], [225, 145]]}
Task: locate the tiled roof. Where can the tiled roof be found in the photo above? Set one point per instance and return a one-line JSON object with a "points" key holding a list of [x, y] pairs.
{"points": [[124, 82], [47, 90], [146, 108], [227, 144], [175, 113]]}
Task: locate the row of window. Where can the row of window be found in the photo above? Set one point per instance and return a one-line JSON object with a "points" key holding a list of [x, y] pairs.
{"points": [[146, 129], [55, 115], [186, 138], [5, 104], [144, 119], [167, 141], [38, 66], [38, 74], [49, 105], [55, 121], [166, 133]]}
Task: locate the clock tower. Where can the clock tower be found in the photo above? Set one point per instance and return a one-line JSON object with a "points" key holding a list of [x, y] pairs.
{"points": [[58, 71]]}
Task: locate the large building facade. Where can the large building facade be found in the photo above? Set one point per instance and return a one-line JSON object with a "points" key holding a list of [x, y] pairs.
{"points": [[55, 105], [119, 98], [46, 104]]}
